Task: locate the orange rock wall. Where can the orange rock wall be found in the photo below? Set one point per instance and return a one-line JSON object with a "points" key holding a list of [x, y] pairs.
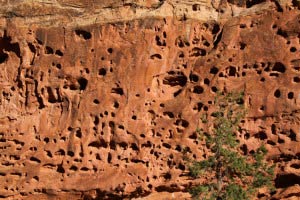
{"points": [[105, 110]]}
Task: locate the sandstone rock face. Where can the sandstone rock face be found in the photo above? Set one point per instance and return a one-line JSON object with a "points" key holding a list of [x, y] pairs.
{"points": [[99, 99]]}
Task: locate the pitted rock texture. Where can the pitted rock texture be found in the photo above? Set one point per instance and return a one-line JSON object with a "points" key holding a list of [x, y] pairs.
{"points": [[105, 110]]}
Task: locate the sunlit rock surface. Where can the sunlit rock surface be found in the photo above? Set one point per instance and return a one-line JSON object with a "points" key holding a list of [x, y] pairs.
{"points": [[98, 99]]}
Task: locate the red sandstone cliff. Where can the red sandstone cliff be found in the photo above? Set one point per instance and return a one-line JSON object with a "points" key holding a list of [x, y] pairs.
{"points": [[98, 99]]}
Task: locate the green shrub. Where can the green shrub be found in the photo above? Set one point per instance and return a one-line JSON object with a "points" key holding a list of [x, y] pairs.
{"points": [[229, 174]]}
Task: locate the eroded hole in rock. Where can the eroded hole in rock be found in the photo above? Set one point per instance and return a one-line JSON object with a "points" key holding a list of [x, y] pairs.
{"points": [[3, 57], [280, 141], [290, 95], [36, 178], [58, 66], [113, 145], [33, 148], [142, 135], [293, 49], [111, 124], [123, 145], [82, 83], [60, 152], [31, 47], [238, 3], [242, 26], [84, 169], [279, 67], [244, 149], [262, 108], [292, 135], [180, 42], [96, 101], [295, 65], [164, 33], [232, 71], [260, 196], [34, 159], [206, 43], [182, 122], [274, 26], [134, 147], [286, 180], [175, 78], [177, 92], [59, 53], [250, 3], [270, 142], [49, 166], [167, 176], [196, 52], [78, 133], [73, 168], [247, 136], [83, 34], [166, 145], [261, 135], [194, 136], [277, 93], [214, 89], [273, 129], [116, 105], [296, 79], [169, 114], [60, 169], [196, 7], [215, 29], [198, 106], [295, 3], [160, 42], [198, 89], [181, 55], [96, 120], [48, 50], [214, 70], [282, 33], [110, 50], [148, 144], [52, 96], [46, 140], [98, 144], [206, 81], [295, 166], [118, 91], [156, 56], [112, 114], [70, 153], [102, 72], [242, 46], [6, 45]]}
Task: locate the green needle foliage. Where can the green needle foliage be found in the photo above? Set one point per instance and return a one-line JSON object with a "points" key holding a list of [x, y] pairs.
{"points": [[230, 174]]}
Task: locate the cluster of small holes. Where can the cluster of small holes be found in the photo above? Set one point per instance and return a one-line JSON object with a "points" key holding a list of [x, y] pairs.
{"points": [[196, 75]]}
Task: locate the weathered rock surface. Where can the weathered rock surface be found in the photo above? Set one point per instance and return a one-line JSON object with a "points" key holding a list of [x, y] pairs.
{"points": [[99, 98]]}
